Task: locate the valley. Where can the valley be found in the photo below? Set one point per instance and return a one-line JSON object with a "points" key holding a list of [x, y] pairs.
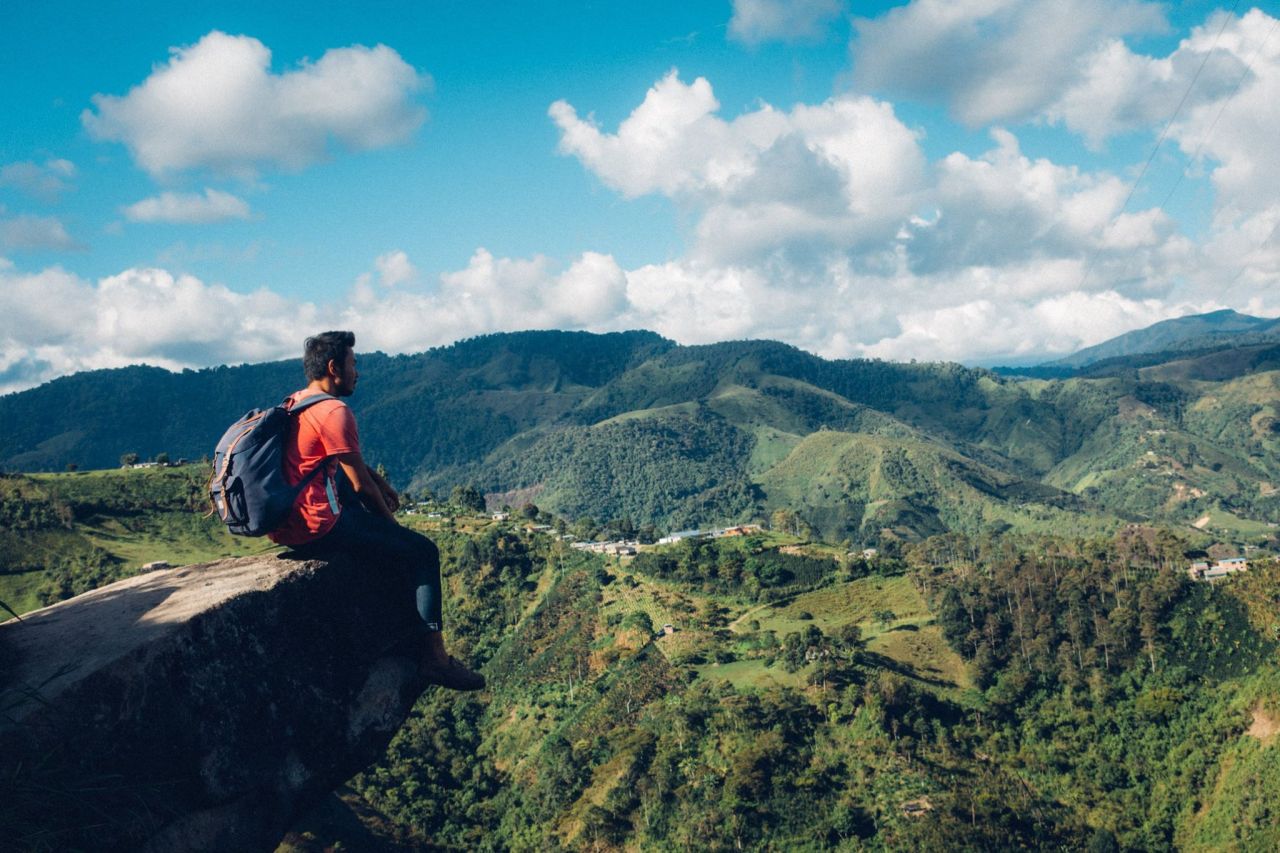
{"points": [[963, 617]]}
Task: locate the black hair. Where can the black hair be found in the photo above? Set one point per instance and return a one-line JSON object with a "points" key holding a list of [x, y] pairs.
{"points": [[319, 350]]}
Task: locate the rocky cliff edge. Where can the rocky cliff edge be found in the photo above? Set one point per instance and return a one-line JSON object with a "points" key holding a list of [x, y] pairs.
{"points": [[201, 708]]}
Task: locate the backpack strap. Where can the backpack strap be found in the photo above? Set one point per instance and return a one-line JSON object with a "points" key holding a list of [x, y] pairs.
{"points": [[297, 408], [308, 402]]}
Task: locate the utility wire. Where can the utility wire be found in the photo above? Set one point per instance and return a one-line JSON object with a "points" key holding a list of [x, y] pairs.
{"points": [[1235, 279], [1169, 124], [1084, 277], [1231, 285], [1248, 70]]}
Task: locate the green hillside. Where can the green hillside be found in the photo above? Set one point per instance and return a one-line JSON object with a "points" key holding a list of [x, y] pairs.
{"points": [[870, 488], [633, 428], [978, 691], [863, 713], [61, 535]]}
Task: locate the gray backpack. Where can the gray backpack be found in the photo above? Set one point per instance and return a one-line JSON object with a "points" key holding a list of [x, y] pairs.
{"points": [[248, 488]]}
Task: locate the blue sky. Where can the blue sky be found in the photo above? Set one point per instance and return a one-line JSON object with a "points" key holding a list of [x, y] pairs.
{"points": [[939, 179]]}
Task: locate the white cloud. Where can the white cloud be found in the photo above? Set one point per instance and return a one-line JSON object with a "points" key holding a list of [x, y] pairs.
{"points": [[490, 294], [989, 330], [592, 292], [694, 304], [61, 323], [389, 270], [839, 173], [34, 233], [151, 313], [1121, 91], [1237, 134], [756, 21], [1004, 208], [216, 105], [824, 227], [672, 143], [991, 60], [188, 208], [1228, 119], [42, 181], [58, 323], [394, 268], [43, 308]]}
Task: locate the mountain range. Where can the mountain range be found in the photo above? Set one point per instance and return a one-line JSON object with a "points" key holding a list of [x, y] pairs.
{"points": [[631, 426]]}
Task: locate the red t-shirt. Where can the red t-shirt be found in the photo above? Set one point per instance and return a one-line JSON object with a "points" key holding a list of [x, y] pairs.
{"points": [[324, 429]]}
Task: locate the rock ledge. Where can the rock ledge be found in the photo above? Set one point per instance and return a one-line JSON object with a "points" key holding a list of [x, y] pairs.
{"points": [[206, 707]]}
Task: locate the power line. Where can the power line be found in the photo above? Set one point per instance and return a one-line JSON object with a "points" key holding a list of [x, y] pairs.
{"points": [[1088, 269], [1169, 124], [1248, 70]]}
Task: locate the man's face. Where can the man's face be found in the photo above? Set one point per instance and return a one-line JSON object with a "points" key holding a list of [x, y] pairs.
{"points": [[345, 376]]}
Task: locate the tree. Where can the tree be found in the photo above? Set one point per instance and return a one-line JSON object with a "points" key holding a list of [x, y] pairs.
{"points": [[788, 522], [128, 459], [162, 458], [954, 619], [467, 497], [850, 638]]}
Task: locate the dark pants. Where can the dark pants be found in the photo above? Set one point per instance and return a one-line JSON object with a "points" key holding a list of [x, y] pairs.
{"points": [[368, 536]]}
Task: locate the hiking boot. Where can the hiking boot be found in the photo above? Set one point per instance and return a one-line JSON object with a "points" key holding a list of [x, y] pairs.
{"points": [[453, 675]]}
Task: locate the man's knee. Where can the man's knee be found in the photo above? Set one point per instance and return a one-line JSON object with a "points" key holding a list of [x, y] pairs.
{"points": [[430, 552], [419, 547]]}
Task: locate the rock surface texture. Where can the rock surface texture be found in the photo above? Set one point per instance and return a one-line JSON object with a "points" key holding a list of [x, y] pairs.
{"points": [[202, 708]]}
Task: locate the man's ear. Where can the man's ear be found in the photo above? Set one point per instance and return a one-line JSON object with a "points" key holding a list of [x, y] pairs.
{"points": [[332, 368]]}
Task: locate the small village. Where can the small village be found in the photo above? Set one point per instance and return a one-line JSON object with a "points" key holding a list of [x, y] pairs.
{"points": [[1203, 570], [630, 547]]}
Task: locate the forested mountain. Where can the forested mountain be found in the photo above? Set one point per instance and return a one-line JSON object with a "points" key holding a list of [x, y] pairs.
{"points": [[1198, 331], [632, 427]]}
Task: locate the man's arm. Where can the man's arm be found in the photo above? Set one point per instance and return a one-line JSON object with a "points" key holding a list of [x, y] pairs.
{"points": [[365, 482]]}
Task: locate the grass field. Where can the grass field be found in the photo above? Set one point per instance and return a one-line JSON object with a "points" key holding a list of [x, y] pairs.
{"points": [[19, 592], [752, 674], [923, 653], [181, 540], [856, 602], [1222, 521], [663, 603], [909, 640]]}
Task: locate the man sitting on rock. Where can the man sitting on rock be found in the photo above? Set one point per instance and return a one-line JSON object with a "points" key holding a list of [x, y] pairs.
{"points": [[356, 513]]}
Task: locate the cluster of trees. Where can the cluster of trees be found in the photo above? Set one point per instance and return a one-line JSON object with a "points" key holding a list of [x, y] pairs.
{"points": [[1054, 611], [734, 567], [670, 471]]}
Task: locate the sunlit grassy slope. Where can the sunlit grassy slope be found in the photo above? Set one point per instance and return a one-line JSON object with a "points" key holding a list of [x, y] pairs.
{"points": [[64, 533]]}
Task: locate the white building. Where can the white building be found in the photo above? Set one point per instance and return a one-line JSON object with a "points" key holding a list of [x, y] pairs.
{"points": [[1204, 571], [679, 535]]}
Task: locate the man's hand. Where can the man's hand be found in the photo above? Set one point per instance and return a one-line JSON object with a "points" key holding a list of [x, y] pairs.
{"points": [[388, 494], [369, 487]]}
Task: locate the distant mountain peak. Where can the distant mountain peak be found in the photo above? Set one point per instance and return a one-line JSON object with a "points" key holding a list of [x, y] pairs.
{"points": [[1213, 328]]}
